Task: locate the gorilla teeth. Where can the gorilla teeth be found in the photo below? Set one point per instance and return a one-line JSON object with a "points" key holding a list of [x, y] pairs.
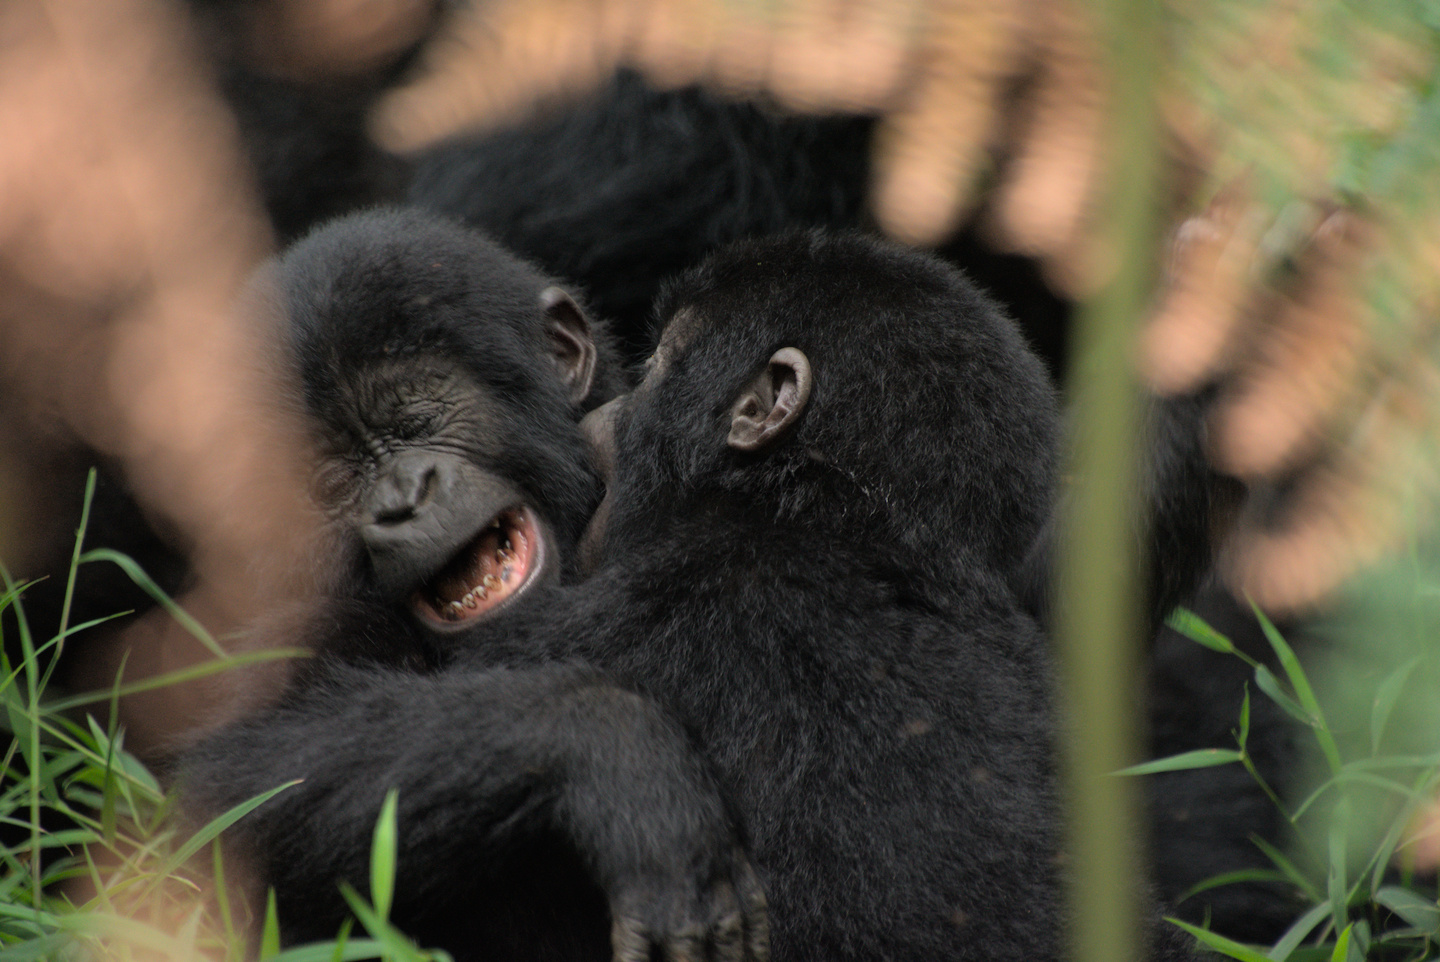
{"points": [[483, 573]]}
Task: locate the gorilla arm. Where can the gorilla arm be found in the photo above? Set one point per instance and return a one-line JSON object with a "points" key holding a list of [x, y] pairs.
{"points": [[484, 761]]}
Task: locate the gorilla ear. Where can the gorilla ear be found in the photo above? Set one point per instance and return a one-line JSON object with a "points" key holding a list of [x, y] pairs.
{"points": [[771, 403], [571, 344]]}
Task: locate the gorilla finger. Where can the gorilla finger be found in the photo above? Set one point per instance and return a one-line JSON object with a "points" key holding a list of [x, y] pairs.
{"points": [[687, 946], [756, 913], [727, 926], [629, 940]]}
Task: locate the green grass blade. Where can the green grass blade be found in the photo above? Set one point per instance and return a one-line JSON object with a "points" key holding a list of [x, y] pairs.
{"points": [[341, 939], [352, 950], [1423, 914], [1341, 952], [1198, 630], [202, 670], [397, 946], [1336, 872], [1292, 872], [71, 574], [1386, 695], [1301, 684], [1233, 878], [234, 950], [1266, 681], [1242, 735], [270, 932], [217, 825], [383, 856], [1236, 950], [1353, 777], [137, 574], [45, 947], [1294, 935], [1200, 758]]}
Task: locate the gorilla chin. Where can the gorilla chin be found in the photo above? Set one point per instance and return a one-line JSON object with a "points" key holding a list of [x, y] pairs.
{"points": [[498, 564]]}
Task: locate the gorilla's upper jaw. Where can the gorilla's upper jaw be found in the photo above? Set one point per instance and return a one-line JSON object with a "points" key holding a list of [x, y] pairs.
{"points": [[509, 554]]}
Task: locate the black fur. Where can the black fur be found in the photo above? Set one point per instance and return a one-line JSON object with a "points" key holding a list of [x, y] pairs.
{"points": [[633, 185], [533, 806], [834, 620]]}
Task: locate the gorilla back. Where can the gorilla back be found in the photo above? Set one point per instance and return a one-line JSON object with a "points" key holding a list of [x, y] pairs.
{"points": [[838, 452]]}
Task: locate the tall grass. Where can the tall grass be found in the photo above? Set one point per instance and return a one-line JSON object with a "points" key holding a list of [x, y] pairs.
{"points": [[1375, 766], [95, 862]]}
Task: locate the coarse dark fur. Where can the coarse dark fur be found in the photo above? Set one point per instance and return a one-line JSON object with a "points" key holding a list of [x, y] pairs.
{"points": [[632, 185], [534, 806], [832, 623], [832, 619]]}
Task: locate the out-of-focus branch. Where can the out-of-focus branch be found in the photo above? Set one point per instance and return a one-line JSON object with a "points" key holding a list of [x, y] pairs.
{"points": [[943, 75], [126, 232]]}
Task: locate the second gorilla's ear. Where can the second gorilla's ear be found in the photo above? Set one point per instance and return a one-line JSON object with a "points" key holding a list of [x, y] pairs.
{"points": [[571, 343], [769, 405]]}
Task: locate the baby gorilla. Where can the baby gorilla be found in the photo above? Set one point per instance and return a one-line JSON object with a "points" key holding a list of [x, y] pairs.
{"points": [[443, 378], [838, 452]]}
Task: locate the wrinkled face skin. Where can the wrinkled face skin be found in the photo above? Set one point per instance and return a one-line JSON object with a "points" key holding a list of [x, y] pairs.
{"points": [[412, 462]]}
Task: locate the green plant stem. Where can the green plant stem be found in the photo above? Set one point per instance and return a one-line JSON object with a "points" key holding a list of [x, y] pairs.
{"points": [[1097, 598]]}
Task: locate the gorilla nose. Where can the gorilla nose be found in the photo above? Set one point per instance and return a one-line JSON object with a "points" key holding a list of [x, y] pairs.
{"points": [[423, 507], [399, 492], [598, 429]]}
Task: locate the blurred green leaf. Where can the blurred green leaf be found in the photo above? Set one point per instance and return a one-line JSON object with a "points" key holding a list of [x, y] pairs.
{"points": [[270, 931], [1200, 758], [1336, 874], [1266, 681], [383, 856], [1294, 935], [1386, 694], [1235, 950], [1301, 685], [1423, 914]]}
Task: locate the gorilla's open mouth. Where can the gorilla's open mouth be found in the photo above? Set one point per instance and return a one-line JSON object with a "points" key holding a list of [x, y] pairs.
{"points": [[494, 566]]}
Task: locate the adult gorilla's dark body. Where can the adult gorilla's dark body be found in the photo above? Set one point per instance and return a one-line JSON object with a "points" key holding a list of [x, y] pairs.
{"points": [[632, 185]]}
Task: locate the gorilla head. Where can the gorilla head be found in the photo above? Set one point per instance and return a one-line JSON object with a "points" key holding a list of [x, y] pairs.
{"points": [[444, 378], [913, 414]]}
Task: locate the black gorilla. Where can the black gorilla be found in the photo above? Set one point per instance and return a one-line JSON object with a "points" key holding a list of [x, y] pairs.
{"points": [[833, 620], [444, 379], [833, 623]]}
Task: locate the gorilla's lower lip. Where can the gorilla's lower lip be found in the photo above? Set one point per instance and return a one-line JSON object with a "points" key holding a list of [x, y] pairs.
{"points": [[493, 567]]}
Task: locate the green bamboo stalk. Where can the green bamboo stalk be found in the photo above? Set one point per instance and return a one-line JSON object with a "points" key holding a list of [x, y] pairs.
{"points": [[1096, 615]]}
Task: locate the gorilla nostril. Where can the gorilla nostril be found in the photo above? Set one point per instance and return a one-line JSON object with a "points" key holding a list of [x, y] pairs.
{"points": [[402, 492], [395, 514]]}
